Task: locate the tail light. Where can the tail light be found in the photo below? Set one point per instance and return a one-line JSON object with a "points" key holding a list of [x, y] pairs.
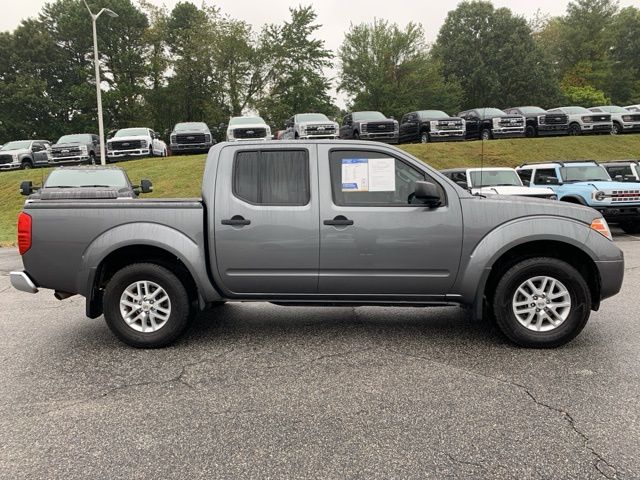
{"points": [[24, 232]]}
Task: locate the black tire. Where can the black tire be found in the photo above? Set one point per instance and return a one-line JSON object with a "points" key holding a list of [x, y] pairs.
{"points": [[630, 227], [542, 266], [616, 129], [530, 131], [425, 137], [574, 129], [92, 159], [180, 307], [26, 165], [485, 134], [356, 136]]}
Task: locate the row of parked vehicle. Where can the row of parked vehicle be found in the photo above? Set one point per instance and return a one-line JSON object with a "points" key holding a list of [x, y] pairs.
{"points": [[612, 188]]}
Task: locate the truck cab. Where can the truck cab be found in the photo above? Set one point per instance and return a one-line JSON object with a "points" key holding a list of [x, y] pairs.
{"points": [[246, 129], [541, 123], [76, 148], [25, 154], [584, 121], [190, 137], [135, 142], [588, 183], [309, 126], [369, 125], [624, 121]]}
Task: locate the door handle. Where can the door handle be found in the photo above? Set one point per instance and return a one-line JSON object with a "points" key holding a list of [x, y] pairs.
{"points": [[236, 220], [339, 221]]}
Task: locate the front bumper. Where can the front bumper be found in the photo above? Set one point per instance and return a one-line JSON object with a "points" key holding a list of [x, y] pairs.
{"points": [[597, 127], [380, 137], [258, 139], [631, 127], [192, 147], [446, 135], [619, 213], [138, 152], [319, 137], [74, 159], [508, 132], [10, 166], [611, 277], [22, 281], [553, 130]]}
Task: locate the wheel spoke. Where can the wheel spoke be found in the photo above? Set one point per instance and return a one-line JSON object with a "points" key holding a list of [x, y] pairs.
{"points": [[145, 306], [541, 303]]}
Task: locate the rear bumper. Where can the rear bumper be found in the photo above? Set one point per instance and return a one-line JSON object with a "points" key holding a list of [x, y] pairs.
{"points": [[22, 281]]}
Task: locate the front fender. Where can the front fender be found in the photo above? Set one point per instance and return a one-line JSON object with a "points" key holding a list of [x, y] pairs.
{"points": [[190, 253], [474, 274]]}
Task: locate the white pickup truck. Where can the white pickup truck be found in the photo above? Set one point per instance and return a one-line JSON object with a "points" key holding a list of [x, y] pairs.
{"points": [[135, 142], [496, 181], [247, 128]]}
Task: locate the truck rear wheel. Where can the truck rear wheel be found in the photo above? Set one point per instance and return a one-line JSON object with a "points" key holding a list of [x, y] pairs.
{"points": [[146, 305], [541, 303]]}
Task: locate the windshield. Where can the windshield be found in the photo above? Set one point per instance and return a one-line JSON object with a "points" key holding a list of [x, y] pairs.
{"points": [[614, 109], [70, 178], [495, 178], [191, 127], [576, 110], [131, 132], [81, 138], [428, 114], [312, 117], [17, 145], [585, 173], [490, 112], [532, 110], [368, 116], [245, 120]]}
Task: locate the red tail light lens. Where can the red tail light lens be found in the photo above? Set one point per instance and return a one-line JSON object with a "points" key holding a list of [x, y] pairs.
{"points": [[24, 233]]}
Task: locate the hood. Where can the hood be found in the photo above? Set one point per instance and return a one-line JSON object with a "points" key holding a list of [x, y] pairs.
{"points": [[323, 123], [15, 152], [247, 126], [515, 190], [129, 137], [68, 145], [445, 119], [384, 120], [606, 185]]}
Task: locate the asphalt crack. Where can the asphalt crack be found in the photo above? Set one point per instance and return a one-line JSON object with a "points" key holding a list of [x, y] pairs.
{"points": [[599, 460]]}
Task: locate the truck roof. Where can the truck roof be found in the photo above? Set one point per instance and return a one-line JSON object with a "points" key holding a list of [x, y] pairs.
{"points": [[555, 163]]}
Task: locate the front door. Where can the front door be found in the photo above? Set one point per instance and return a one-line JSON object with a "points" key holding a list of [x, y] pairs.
{"points": [[373, 241], [266, 221]]}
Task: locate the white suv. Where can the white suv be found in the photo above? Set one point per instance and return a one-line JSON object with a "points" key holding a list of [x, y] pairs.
{"points": [[582, 120], [247, 128], [624, 120], [308, 126], [496, 181]]}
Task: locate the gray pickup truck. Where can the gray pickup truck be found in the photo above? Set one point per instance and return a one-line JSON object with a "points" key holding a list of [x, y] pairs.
{"points": [[322, 223]]}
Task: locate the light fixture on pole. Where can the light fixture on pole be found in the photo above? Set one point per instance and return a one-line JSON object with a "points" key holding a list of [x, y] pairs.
{"points": [[96, 60]]}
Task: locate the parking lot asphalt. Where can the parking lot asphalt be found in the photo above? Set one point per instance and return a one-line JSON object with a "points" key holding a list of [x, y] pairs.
{"points": [[261, 391]]}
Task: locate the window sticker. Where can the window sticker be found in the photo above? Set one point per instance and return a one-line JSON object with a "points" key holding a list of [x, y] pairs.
{"points": [[368, 175]]}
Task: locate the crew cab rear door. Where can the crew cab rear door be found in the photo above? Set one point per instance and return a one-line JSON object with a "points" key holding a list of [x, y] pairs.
{"points": [[373, 242], [266, 221]]}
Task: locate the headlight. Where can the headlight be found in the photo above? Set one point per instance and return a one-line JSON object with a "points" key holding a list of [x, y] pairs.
{"points": [[143, 144], [363, 127], [541, 119], [83, 149], [109, 145], [172, 139], [599, 196], [587, 119], [207, 138], [396, 126], [268, 131], [627, 118], [496, 122], [229, 133], [15, 157]]}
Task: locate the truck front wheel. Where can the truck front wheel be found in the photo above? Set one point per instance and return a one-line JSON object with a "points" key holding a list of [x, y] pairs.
{"points": [[541, 303], [146, 305], [486, 134]]}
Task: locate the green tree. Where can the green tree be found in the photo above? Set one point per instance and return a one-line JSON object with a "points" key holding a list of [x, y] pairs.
{"points": [[492, 53], [386, 68], [297, 83]]}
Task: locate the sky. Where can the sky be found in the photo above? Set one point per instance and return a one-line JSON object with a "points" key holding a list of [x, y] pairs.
{"points": [[335, 16]]}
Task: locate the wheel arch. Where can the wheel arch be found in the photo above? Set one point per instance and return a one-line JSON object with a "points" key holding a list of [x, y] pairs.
{"points": [[577, 199]]}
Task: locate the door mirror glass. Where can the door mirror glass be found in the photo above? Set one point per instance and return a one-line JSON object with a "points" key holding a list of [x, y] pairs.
{"points": [[427, 193]]}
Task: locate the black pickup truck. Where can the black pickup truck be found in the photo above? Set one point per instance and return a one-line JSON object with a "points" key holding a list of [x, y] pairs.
{"points": [[430, 126], [488, 123], [540, 123]]}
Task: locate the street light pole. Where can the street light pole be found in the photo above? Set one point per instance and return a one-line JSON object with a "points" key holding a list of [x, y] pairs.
{"points": [[96, 61]]}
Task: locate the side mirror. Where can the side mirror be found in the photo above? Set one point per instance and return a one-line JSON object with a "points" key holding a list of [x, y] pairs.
{"points": [[146, 186], [428, 193], [26, 188], [222, 126]]}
